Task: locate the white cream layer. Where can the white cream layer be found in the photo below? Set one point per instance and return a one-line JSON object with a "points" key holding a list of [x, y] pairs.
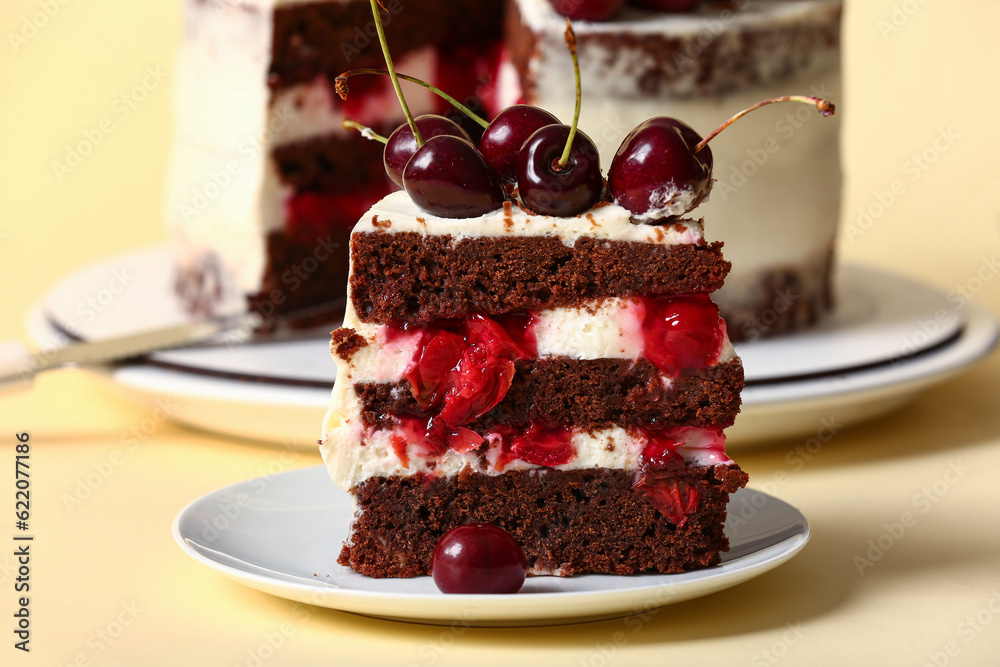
{"points": [[397, 213], [603, 329], [354, 454]]}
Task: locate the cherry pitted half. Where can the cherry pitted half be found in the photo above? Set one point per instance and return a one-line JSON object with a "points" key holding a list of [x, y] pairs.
{"points": [[548, 189], [587, 10], [401, 145], [502, 140], [478, 558], [447, 177], [656, 174], [670, 6]]}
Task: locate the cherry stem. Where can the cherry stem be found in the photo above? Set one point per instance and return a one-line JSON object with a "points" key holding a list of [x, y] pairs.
{"points": [[366, 132], [825, 107], [392, 75], [570, 38], [341, 87]]}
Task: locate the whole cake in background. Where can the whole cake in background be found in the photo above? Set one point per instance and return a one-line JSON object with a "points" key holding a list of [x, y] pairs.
{"points": [[266, 184], [776, 202]]}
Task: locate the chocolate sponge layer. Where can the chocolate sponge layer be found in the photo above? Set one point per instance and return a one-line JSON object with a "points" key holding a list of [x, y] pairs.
{"points": [[413, 277], [567, 522], [588, 394]]}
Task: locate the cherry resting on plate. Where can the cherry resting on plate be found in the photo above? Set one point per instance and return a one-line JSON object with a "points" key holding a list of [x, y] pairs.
{"points": [[478, 558], [401, 144], [546, 187], [587, 10], [502, 140], [656, 174], [447, 177]]}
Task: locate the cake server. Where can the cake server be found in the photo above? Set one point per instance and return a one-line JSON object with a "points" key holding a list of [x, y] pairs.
{"points": [[19, 366]]}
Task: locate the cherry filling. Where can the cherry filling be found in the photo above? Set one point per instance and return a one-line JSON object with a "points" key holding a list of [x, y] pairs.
{"points": [[682, 333], [535, 443], [312, 215], [667, 451], [461, 369]]}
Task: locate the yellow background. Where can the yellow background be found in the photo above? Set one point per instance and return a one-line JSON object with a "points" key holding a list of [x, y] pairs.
{"points": [[914, 69]]}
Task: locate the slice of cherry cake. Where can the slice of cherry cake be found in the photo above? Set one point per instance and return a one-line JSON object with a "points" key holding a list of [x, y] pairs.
{"points": [[567, 379]]}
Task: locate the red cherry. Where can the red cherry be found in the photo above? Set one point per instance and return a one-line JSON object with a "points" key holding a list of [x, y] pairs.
{"points": [[429, 375], [587, 10], [401, 145], [655, 174], [673, 498], [502, 140], [661, 451], [682, 333], [543, 446], [478, 559], [666, 5], [477, 385], [548, 189], [485, 332], [447, 177]]}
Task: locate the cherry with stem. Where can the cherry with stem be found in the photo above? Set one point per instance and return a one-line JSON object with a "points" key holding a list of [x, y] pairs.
{"points": [[559, 172], [663, 168]]}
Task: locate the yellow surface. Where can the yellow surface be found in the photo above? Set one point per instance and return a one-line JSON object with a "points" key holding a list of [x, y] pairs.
{"points": [[109, 587]]}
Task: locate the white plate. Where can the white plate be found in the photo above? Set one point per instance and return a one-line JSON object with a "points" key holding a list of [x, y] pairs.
{"points": [[282, 535], [887, 339]]}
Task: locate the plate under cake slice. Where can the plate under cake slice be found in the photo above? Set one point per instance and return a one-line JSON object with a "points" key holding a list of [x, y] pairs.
{"points": [[567, 379]]}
